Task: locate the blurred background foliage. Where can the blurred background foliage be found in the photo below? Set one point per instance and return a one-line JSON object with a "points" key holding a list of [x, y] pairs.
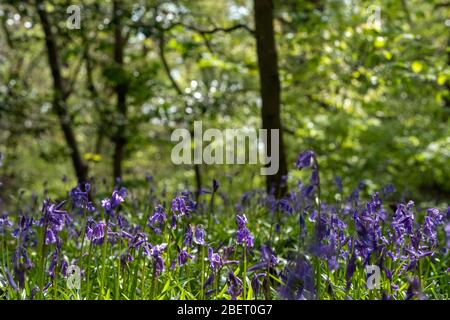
{"points": [[369, 96]]}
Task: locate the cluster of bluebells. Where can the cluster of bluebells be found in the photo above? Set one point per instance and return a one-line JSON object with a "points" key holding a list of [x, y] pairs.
{"points": [[111, 204], [53, 220], [182, 205], [158, 219], [81, 199], [344, 237]]}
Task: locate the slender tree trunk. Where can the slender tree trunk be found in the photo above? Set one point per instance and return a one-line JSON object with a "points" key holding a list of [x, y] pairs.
{"points": [[269, 86], [60, 94], [447, 83], [176, 87], [120, 140], [101, 129]]}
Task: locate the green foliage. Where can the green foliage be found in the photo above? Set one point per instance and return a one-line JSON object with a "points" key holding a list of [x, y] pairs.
{"points": [[371, 100]]}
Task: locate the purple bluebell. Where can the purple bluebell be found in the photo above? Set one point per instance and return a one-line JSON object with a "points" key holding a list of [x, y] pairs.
{"points": [[95, 232], [4, 223], [432, 220], [80, 198], [255, 283], [285, 206], [188, 236], [215, 261], [305, 159], [106, 205], [122, 222], [298, 281], [33, 292], [268, 259], [338, 183], [64, 267], [234, 285], [350, 270], [173, 221], [117, 197], [403, 222], [414, 290], [314, 180], [47, 286], [158, 260], [11, 281], [125, 259], [243, 234], [53, 220], [182, 205], [183, 257], [387, 189], [157, 220], [53, 264], [21, 264], [199, 237], [447, 234]]}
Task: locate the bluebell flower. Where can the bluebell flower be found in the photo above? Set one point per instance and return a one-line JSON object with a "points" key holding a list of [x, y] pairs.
{"points": [[243, 234], [183, 257], [447, 234], [234, 285], [255, 283], [285, 206], [80, 198], [10, 279], [338, 183], [158, 260], [188, 236], [199, 237], [157, 220], [173, 221], [5, 222], [122, 222], [53, 219], [298, 281], [215, 261], [268, 259], [182, 205], [117, 197], [414, 290], [53, 264], [21, 264], [433, 219], [95, 232], [387, 189], [305, 159]]}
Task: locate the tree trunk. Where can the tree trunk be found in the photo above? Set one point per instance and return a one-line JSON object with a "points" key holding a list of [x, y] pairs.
{"points": [[270, 87], [60, 94], [121, 93], [176, 87], [447, 84]]}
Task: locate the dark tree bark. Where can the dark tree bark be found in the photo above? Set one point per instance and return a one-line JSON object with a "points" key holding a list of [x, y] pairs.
{"points": [[269, 86], [60, 94], [176, 87], [94, 96], [121, 89], [447, 83]]}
